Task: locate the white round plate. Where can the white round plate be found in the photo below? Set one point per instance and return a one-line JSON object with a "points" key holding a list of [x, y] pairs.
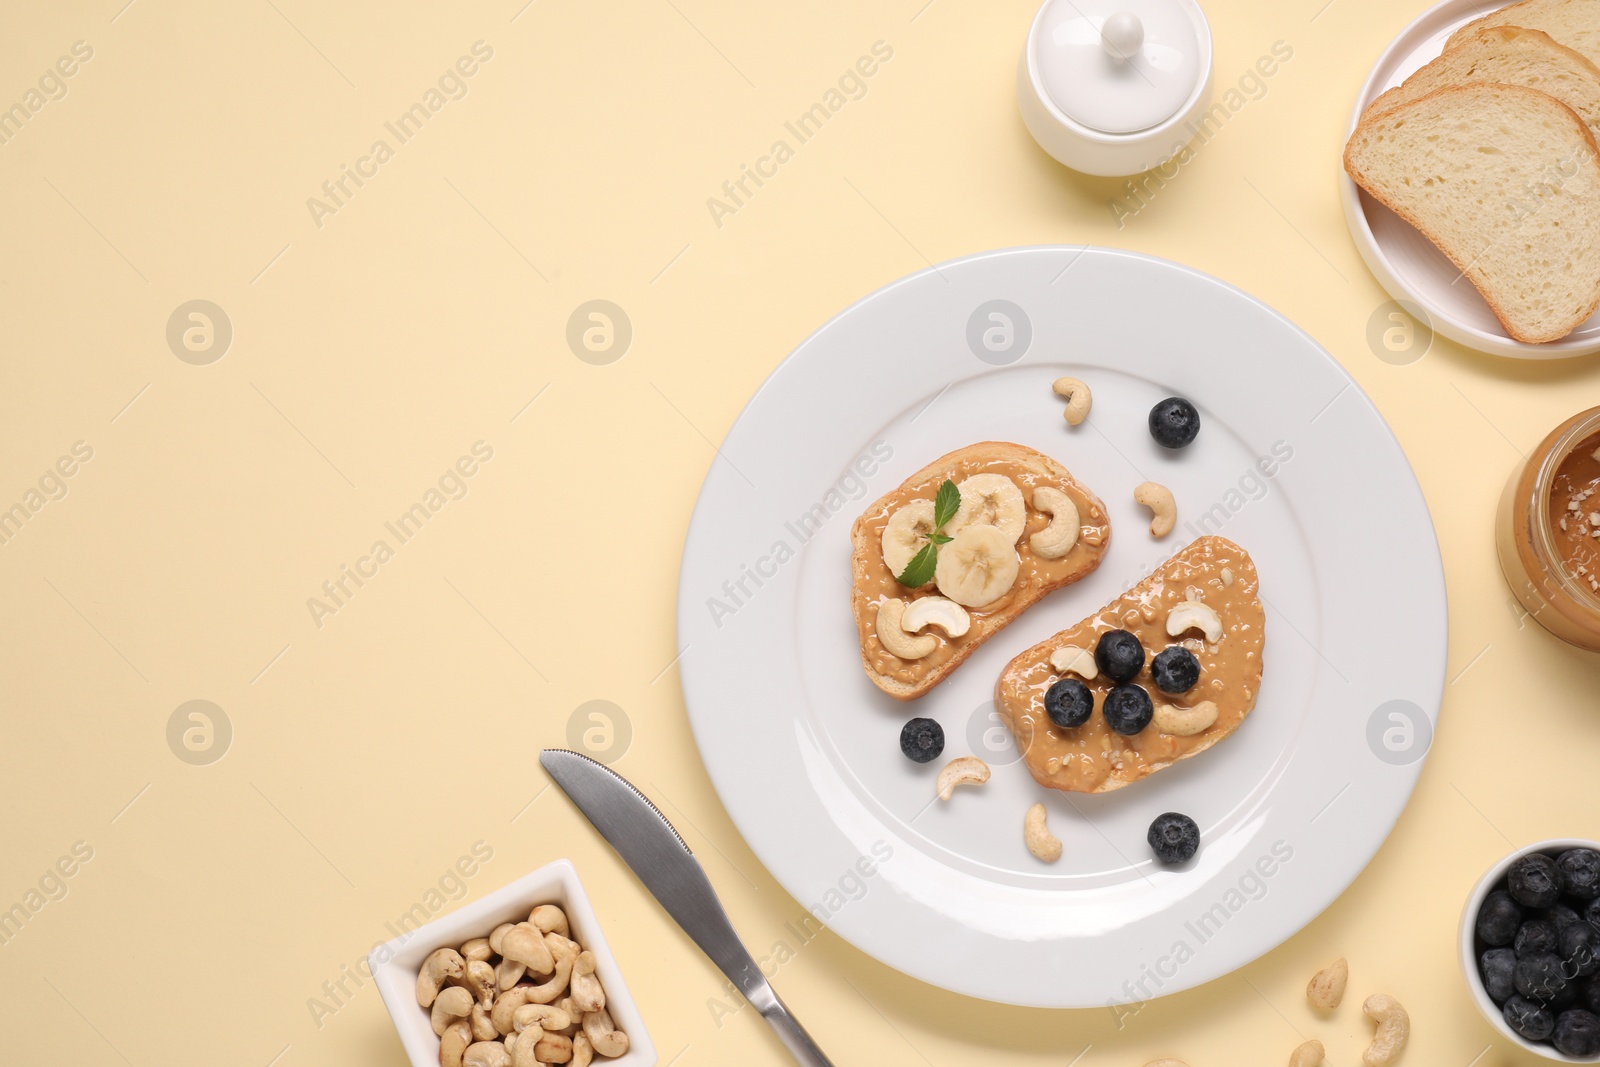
{"points": [[1406, 263], [804, 751]]}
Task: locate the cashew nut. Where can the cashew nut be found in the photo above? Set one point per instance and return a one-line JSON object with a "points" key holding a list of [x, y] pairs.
{"points": [[524, 1047], [553, 1048], [453, 1042], [566, 1005], [1073, 660], [1041, 842], [477, 949], [1057, 539], [441, 963], [496, 934], [504, 1010], [587, 995], [1185, 722], [549, 919], [556, 985], [481, 979], [1078, 399], [582, 1050], [508, 973], [1394, 1028], [545, 1017], [1307, 1055], [604, 1035], [947, 615], [562, 945], [893, 637], [1326, 988], [524, 943], [452, 1003], [1163, 508], [1195, 615], [963, 770], [486, 1054], [482, 1026]]}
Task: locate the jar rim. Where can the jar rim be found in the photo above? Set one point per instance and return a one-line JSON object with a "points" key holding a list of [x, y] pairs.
{"points": [[1586, 425]]}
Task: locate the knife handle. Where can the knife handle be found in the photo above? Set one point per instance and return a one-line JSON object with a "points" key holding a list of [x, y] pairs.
{"points": [[790, 1032]]}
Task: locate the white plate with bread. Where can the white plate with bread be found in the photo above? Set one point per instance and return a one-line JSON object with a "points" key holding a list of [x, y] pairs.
{"points": [[1297, 564], [1472, 174]]}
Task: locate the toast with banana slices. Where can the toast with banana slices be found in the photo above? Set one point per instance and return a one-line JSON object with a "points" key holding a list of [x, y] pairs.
{"points": [[968, 543], [1092, 713]]}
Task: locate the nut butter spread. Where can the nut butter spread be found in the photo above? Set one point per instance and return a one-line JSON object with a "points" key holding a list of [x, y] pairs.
{"points": [[1575, 513], [1093, 758], [1029, 470]]}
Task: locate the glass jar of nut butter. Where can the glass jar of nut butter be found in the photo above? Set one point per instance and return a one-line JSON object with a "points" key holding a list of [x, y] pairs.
{"points": [[1548, 531]]}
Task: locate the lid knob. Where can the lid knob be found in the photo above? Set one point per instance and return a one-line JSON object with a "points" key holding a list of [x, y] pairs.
{"points": [[1122, 36]]}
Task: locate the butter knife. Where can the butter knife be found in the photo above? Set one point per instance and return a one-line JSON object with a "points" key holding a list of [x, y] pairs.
{"points": [[649, 845]]}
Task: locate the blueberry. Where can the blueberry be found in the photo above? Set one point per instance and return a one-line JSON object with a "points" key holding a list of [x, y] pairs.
{"points": [[1539, 977], [922, 740], [1533, 1021], [1591, 914], [1589, 993], [1128, 709], [1497, 966], [1069, 703], [1174, 422], [1534, 881], [1498, 919], [1535, 938], [1175, 669], [1580, 872], [1174, 838], [1577, 1034], [1120, 655], [1560, 916], [1580, 947]]}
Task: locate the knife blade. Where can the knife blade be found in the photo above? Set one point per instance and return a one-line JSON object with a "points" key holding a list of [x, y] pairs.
{"points": [[657, 854]]}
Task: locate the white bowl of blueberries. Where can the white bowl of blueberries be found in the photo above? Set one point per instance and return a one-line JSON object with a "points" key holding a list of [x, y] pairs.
{"points": [[1530, 943]]}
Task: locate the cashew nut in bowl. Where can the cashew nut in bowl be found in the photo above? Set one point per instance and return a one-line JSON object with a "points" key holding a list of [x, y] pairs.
{"points": [[1185, 722], [524, 1048], [963, 770], [582, 1050], [560, 943], [1394, 1030], [1057, 539], [1195, 615], [587, 995], [1073, 660], [486, 1054], [504, 1011], [603, 1034], [477, 949], [545, 1017], [508, 973], [553, 1048], [457, 1036], [1163, 508], [480, 979], [442, 963], [1041, 842], [893, 637], [1307, 1055], [550, 920], [496, 934], [927, 611], [1078, 399], [525, 944], [452, 1003], [553, 987], [566, 1005], [1326, 988], [482, 1026]]}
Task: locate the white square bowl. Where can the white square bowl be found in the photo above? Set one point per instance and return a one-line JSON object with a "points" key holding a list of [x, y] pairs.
{"points": [[395, 964]]}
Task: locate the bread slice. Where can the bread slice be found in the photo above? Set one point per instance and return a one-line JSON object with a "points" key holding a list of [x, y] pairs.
{"points": [[1574, 23], [1506, 182], [1508, 55], [1094, 759], [873, 583]]}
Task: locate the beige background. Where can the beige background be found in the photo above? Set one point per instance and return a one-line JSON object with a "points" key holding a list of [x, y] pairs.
{"points": [[425, 315]]}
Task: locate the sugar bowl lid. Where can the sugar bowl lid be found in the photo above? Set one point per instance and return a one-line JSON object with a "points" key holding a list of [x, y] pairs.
{"points": [[1120, 66]]}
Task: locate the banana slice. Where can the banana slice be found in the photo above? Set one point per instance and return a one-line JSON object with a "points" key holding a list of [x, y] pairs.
{"points": [[991, 500], [978, 566], [905, 534]]}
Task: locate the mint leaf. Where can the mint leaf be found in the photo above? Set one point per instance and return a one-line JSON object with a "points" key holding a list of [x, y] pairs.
{"points": [[940, 539], [946, 503], [919, 572]]}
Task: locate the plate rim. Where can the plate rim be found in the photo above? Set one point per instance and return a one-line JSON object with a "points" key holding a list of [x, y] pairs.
{"points": [[1373, 253], [1435, 578]]}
